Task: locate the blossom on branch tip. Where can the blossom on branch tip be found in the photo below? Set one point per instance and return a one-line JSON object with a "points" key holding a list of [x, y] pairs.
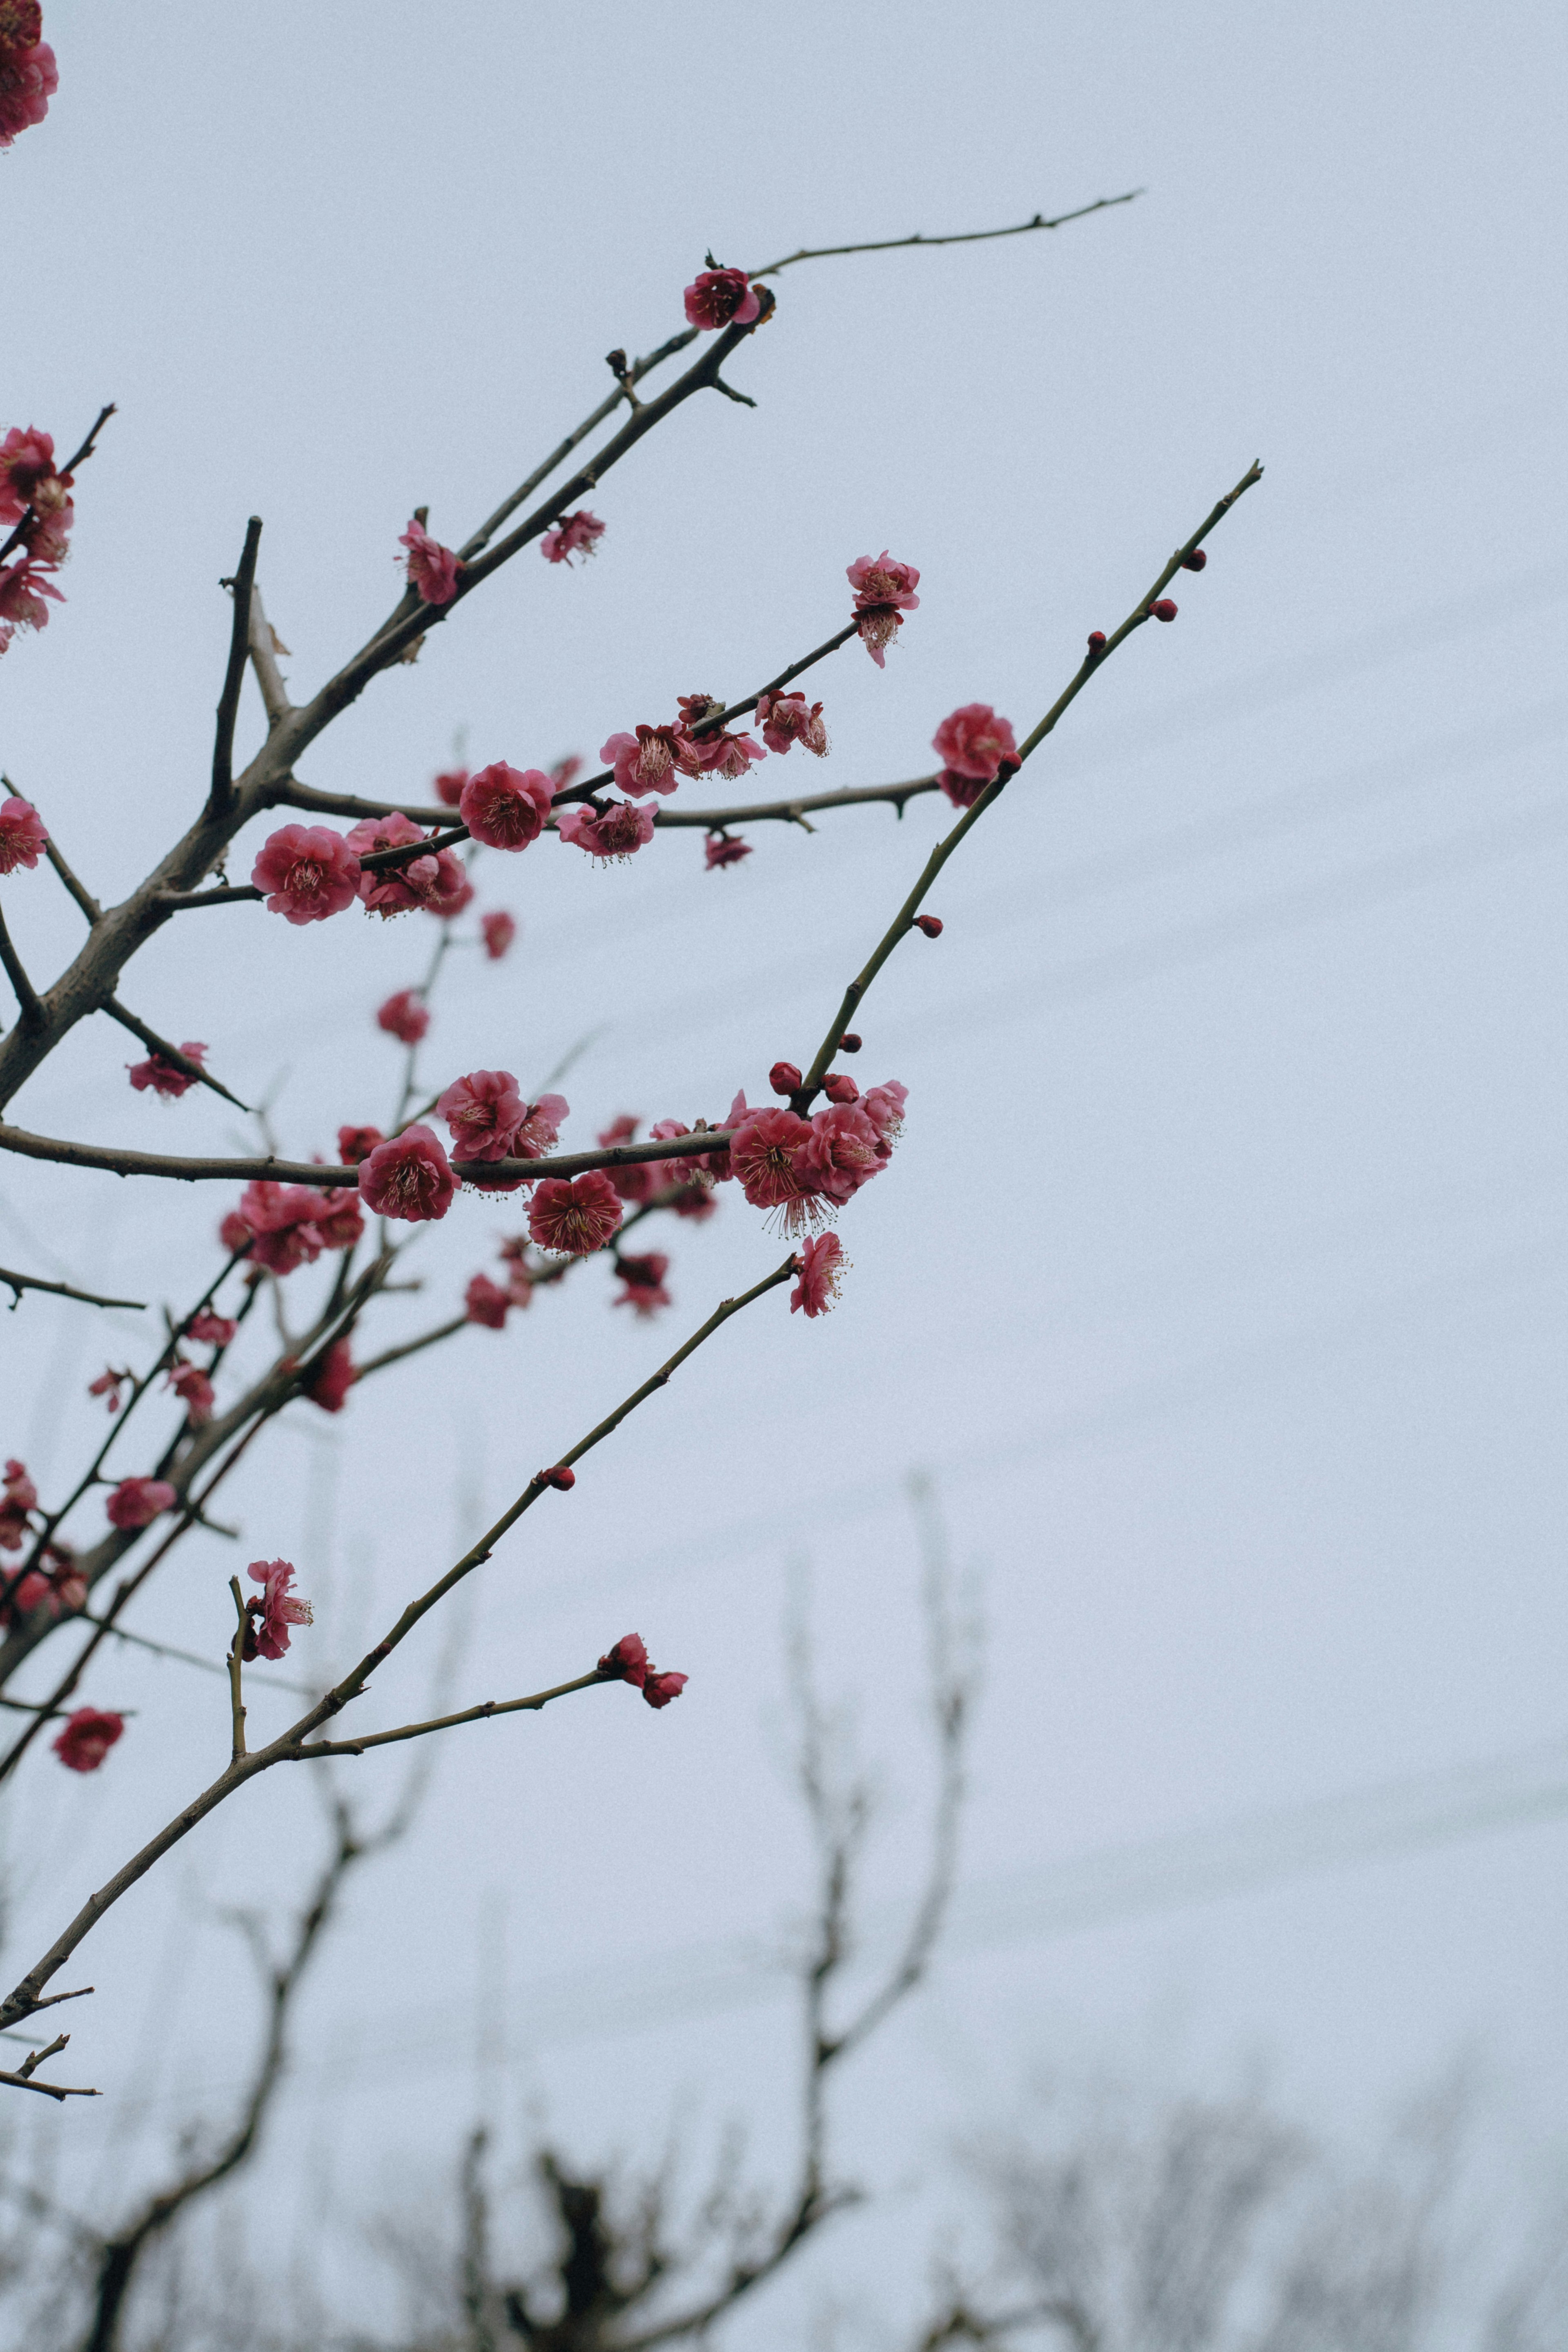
{"points": [[432, 569], [87, 1735], [721, 849], [333, 1379], [575, 534], [309, 871], [658, 1689], [574, 1217], [163, 1076], [357, 1143], [929, 924], [484, 1112], [786, 719], [720, 298], [405, 1017], [647, 760], [23, 588], [30, 78], [498, 930], [26, 455], [407, 1177], [195, 1391], [764, 1152], [485, 1302], [785, 1077], [22, 836], [137, 1501], [972, 744], [883, 579], [628, 1660], [1162, 609], [1096, 644], [643, 1281], [211, 1331], [448, 786], [506, 807], [276, 1611], [821, 1266], [610, 834]]}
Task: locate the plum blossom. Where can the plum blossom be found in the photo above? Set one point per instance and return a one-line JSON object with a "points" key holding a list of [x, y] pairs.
{"points": [[720, 298], [659, 1688], [972, 742], [727, 755], [506, 807], [357, 1143], [29, 76], [843, 1151], [541, 1127], [211, 1331], [306, 872], [339, 1219], [485, 1302], [786, 719], [839, 1087], [18, 1497], [137, 1501], [646, 761], [278, 1608], [333, 1378], [884, 1106], [165, 1076], [22, 836], [498, 929], [484, 1112], [929, 924], [1164, 609], [408, 1177], [574, 1217], [642, 1280], [449, 785], [432, 569], [720, 849], [576, 534], [23, 585], [452, 890], [280, 1220], [785, 1077], [627, 1661], [26, 455], [404, 1015], [821, 1266], [884, 591], [433, 881], [87, 1735], [195, 1391], [108, 1385], [764, 1152], [612, 833]]}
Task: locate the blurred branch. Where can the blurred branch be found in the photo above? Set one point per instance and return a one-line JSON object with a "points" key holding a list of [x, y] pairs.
{"points": [[220, 800], [20, 1282]]}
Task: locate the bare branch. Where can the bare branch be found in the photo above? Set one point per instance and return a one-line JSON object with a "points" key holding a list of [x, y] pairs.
{"points": [[84, 897], [964, 237], [264, 649], [26, 995], [220, 800], [481, 1714], [20, 1282]]}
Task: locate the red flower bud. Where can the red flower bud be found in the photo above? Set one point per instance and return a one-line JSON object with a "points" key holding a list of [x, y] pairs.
{"points": [[838, 1088], [784, 1077], [849, 1043], [1162, 609], [560, 1477], [1096, 644], [1194, 561], [929, 924]]}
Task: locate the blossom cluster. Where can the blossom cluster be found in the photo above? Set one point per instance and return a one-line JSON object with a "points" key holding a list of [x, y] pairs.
{"points": [[54, 1581], [36, 515], [629, 1662], [28, 73]]}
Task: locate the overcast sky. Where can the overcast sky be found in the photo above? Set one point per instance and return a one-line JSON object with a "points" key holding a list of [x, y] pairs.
{"points": [[1217, 1279]]}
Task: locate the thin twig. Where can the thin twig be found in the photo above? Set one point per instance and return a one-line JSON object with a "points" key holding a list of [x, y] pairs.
{"points": [[20, 1282], [183, 1062], [964, 237], [83, 897], [220, 800], [264, 648], [26, 995], [480, 1714]]}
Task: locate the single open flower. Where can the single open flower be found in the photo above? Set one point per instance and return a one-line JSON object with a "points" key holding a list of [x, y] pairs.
{"points": [[137, 1501], [277, 1611], [506, 807], [86, 1737], [972, 743], [432, 569], [722, 297], [576, 534], [485, 1302], [22, 836], [484, 1112], [573, 1217], [165, 1076], [407, 1177], [615, 832], [821, 1266]]}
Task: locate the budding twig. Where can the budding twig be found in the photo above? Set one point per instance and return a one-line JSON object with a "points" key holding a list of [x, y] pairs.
{"points": [[965, 236]]}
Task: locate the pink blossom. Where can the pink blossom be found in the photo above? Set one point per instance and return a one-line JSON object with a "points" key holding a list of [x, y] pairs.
{"points": [[424, 882], [449, 785], [108, 1385], [432, 569], [281, 1219], [26, 455], [506, 807], [498, 930], [722, 848], [541, 1127], [357, 1143], [309, 871], [696, 710], [28, 80], [576, 535], [635, 1180], [208, 1330], [136, 1502], [844, 1150], [628, 1660], [883, 579], [46, 532], [839, 1087], [646, 761], [574, 1217], [659, 1688], [786, 719], [485, 1302], [972, 742], [234, 1233], [484, 1112], [86, 1736], [22, 836], [643, 1282], [23, 585], [278, 1608], [727, 755], [338, 1220], [764, 1151], [163, 1076], [18, 1496], [785, 1077], [195, 1391], [452, 890], [335, 1376], [720, 298], [616, 832], [405, 1017], [566, 771], [884, 1106], [821, 1266], [408, 1178]]}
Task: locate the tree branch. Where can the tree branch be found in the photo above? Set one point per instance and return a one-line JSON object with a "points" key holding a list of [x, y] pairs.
{"points": [[220, 800], [263, 648], [964, 237], [84, 897], [20, 1282], [481, 1714], [26, 995], [117, 1162], [167, 1053]]}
